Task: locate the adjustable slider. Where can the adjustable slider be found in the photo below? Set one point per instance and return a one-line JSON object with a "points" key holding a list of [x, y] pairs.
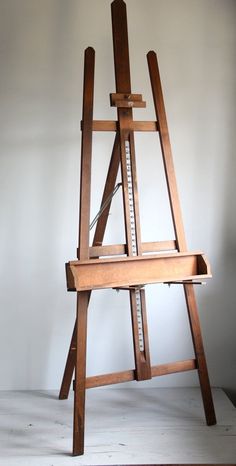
{"points": [[127, 100]]}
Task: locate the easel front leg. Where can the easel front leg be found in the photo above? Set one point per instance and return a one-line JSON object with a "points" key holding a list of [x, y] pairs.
{"points": [[80, 373], [98, 239], [199, 354]]}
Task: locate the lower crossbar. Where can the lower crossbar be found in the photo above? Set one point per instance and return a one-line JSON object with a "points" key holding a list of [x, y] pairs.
{"points": [[128, 376]]}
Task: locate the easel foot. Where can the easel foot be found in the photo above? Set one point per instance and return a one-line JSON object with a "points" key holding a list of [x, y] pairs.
{"points": [[78, 451]]}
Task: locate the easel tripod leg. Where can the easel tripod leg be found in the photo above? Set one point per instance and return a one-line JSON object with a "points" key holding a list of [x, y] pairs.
{"points": [[80, 373], [199, 354], [69, 368], [98, 238]]}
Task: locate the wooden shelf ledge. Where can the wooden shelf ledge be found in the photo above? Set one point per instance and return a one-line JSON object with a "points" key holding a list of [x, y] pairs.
{"points": [[139, 270]]}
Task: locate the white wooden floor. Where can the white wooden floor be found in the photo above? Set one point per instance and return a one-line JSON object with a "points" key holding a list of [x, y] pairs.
{"points": [[124, 426]]}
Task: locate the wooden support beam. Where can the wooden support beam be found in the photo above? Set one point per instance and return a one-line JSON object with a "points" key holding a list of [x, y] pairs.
{"points": [[174, 367], [111, 125], [120, 46], [121, 249], [108, 250], [110, 379], [83, 253], [86, 154], [108, 189], [156, 246], [80, 373], [200, 354], [166, 150], [69, 367], [180, 235], [128, 376]]}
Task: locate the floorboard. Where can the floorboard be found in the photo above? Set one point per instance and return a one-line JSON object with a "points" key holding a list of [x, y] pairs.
{"points": [[123, 426]]}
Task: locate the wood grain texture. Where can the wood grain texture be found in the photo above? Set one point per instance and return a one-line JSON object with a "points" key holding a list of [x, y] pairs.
{"points": [[126, 135], [174, 367], [108, 189], [137, 270], [129, 375], [127, 100], [83, 253], [80, 373], [121, 249], [69, 368], [110, 379], [120, 46], [85, 188], [200, 354], [111, 125], [86, 154], [98, 238], [127, 96], [166, 150], [180, 236]]}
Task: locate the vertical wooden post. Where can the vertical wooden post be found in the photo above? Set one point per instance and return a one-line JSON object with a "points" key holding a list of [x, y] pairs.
{"points": [[180, 236], [83, 252], [86, 154], [125, 117], [80, 373]]}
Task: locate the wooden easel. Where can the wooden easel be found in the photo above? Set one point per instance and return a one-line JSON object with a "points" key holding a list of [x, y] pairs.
{"points": [[127, 266]]}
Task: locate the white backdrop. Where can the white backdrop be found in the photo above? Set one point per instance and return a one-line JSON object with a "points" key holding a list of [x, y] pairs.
{"points": [[42, 46]]}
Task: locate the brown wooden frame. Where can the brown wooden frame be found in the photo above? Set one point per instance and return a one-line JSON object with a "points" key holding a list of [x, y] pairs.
{"points": [[170, 263]]}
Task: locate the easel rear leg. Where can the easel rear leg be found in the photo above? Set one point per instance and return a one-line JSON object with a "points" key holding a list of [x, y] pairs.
{"points": [[200, 354], [69, 368]]}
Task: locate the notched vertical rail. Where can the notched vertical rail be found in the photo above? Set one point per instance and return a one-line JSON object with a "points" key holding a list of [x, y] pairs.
{"points": [[129, 184]]}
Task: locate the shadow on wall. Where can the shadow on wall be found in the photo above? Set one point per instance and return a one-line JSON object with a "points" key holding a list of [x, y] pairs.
{"points": [[39, 216], [219, 298], [225, 300]]}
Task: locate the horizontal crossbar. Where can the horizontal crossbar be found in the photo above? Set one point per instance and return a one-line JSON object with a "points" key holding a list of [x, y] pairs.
{"points": [[138, 270], [120, 249], [128, 376], [111, 125]]}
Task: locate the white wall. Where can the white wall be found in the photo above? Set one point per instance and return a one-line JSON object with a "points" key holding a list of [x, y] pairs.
{"points": [[41, 51]]}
